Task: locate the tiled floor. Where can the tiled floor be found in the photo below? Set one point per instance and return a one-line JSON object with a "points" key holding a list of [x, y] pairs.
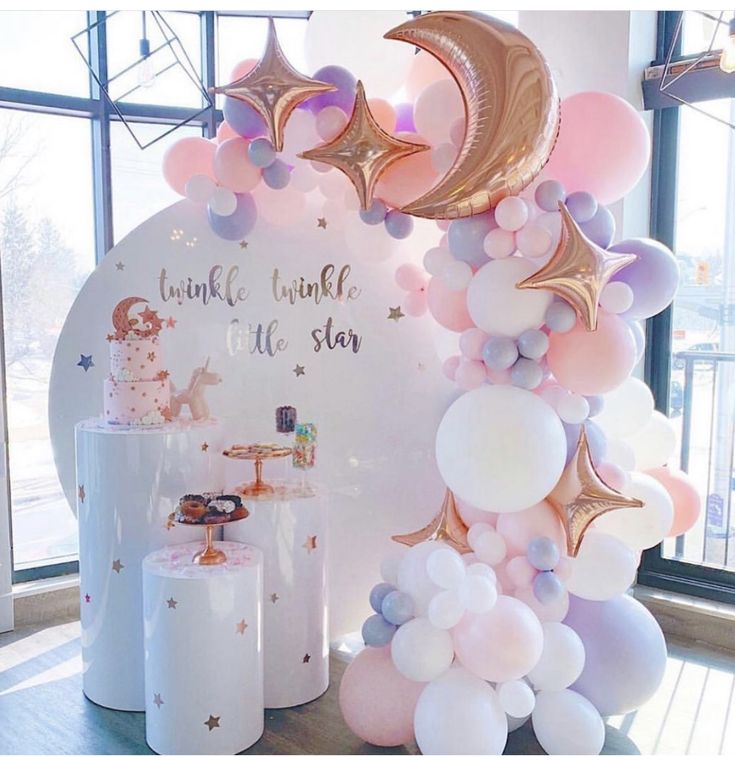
{"points": [[42, 709]]}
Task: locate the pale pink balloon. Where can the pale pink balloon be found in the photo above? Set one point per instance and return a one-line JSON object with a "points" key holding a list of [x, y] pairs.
{"points": [[233, 168], [499, 377], [376, 701], [383, 113], [188, 157], [613, 475], [551, 612], [436, 108], [242, 68], [225, 132], [470, 374], [407, 178], [603, 146], [684, 495], [520, 571], [443, 224], [500, 645], [415, 303], [280, 207], [520, 528], [411, 278], [425, 70], [450, 365], [563, 569], [471, 343], [448, 308], [330, 121], [471, 515], [593, 362]]}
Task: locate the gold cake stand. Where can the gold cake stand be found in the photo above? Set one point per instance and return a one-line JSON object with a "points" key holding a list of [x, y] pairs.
{"points": [[257, 453], [210, 555]]}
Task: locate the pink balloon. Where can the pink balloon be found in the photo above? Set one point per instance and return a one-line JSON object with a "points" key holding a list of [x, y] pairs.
{"points": [[684, 494], [563, 569], [520, 528], [499, 377], [471, 515], [425, 70], [471, 343], [520, 571], [593, 362], [242, 68], [470, 374], [186, 158], [225, 132], [500, 645], [377, 702], [280, 207], [410, 277], [330, 121], [407, 178], [450, 365], [603, 146], [383, 113], [613, 475], [415, 303], [233, 168], [551, 612], [436, 109], [448, 307]]}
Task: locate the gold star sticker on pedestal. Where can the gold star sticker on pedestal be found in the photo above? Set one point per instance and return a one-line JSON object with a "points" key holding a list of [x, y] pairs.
{"points": [[306, 658], [205, 446], [321, 223], [446, 527], [243, 245], [578, 270], [157, 700], [117, 566], [581, 496], [171, 603], [212, 722], [362, 150], [274, 598], [240, 627], [395, 314], [274, 88], [310, 544], [82, 493]]}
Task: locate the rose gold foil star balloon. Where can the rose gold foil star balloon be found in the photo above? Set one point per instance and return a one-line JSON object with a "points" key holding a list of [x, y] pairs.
{"points": [[362, 150], [578, 270], [511, 109], [581, 495], [274, 88], [446, 526]]}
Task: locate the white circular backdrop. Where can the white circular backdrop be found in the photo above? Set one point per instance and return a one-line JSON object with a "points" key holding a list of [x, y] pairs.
{"points": [[377, 410]]}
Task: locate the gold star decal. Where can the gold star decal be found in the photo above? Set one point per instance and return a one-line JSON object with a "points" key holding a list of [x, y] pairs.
{"points": [[171, 322], [117, 566], [395, 314], [581, 495], [306, 658], [310, 544], [212, 723], [578, 270], [120, 266], [299, 370], [157, 700], [205, 446], [274, 88], [243, 245], [82, 493], [171, 603], [87, 598], [170, 522], [240, 627], [274, 598], [362, 150], [446, 526], [321, 223]]}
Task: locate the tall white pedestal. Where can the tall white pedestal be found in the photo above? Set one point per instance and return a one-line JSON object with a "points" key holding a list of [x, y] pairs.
{"points": [[291, 530], [203, 650], [128, 481]]}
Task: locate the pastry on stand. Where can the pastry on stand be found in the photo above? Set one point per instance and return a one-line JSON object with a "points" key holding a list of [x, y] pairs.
{"points": [[257, 453]]}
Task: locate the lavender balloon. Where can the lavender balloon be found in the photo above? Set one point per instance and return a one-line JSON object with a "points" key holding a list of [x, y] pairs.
{"points": [[375, 214], [596, 403], [653, 277], [543, 553], [527, 374], [547, 588], [549, 194], [343, 97], [625, 652], [234, 227], [600, 228], [467, 235], [377, 632], [398, 225], [243, 119], [261, 152], [277, 175], [499, 353], [533, 344], [560, 317], [582, 206], [378, 593], [398, 608], [404, 117], [640, 338], [595, 439]]}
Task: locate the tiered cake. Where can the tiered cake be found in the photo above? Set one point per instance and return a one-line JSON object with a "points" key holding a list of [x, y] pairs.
{"points": [[138, 391]]}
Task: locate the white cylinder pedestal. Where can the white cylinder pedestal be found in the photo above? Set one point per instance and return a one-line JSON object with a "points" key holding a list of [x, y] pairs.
{"points": [[128, 482], [203, 650], [291, 529]]}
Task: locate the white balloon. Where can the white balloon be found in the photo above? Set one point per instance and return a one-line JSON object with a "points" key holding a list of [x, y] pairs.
{"points": [[300, 134], [199, 188], [515, 723], [456, 275], [223, 201], [655, 444], [516, 698], [436, 259], [620, 453], [420, 651], [640, 527], [626, 410], [304, 177], [480, 569], [500, 448], [460, 713], [479, 593], [445, 568], [562, 659], [443, 156], [499, 243], [616, 297], [389, 569], [572, 408], [413, 578], [497, 306], [446, 610], [533, 240], [604, 567], [511, 213], [490, 547], [566, 723]]}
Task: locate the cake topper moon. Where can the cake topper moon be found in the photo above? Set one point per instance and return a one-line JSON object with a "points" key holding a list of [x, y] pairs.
{"points": [[511, 109], [123, 323]]}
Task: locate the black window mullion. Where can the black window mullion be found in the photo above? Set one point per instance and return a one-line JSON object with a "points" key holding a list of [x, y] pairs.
{"points": [[208, 23]]}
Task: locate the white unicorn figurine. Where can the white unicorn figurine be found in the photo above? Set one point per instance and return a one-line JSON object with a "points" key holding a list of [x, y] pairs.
{"points": [[193, 395]]}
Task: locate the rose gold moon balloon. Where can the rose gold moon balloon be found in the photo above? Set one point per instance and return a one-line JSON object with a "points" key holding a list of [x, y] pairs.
{"points": [[511, 109], [121, 321]]}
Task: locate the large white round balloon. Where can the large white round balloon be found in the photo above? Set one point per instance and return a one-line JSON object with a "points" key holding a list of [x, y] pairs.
{"points": [[566, 723], [655, 444], [460, 713], [500, 448], [604, 567], [420, 651], [497, 306], [640, 527], [627, 409], [562, 659], [414, 579]]}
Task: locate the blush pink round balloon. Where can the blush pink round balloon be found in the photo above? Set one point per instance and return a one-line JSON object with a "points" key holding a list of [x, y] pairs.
{"points": [[188, 157], [410, 277], [470, 374], [521, 528], [603, 146], [448, 307], [684, 495], [233, 168], [407, 178], [500, 645], [242, 68], [225, 132], [384, 113], [425, 70], [377, 702], [471, 515], [613, 475], [450, 365], [593, 362], [415, 303], [471, 343]]}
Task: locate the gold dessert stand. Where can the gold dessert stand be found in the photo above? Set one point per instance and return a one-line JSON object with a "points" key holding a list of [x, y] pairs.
{"points": [[257, 453]]}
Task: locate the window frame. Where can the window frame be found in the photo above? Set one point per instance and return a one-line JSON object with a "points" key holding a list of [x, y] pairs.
{"points": [[655, 570]]}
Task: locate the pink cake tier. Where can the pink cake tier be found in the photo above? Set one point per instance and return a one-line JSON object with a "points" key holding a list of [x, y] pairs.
{"points": [[136, 358], [140, 403]]}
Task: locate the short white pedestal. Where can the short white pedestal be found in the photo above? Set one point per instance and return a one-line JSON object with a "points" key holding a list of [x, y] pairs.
{"points": [[128, 482], [203, 650], [291, 529]]}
